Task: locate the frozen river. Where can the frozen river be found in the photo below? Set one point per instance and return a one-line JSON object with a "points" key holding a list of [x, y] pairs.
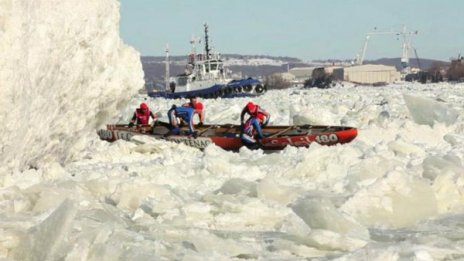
{"points": [[394, 193]]}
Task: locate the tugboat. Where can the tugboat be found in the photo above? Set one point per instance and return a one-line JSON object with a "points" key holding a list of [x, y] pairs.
{"points": [[205, 77]]}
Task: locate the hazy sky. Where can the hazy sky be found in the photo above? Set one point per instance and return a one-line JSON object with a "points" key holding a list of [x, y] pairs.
{"points": [[305, 29]]}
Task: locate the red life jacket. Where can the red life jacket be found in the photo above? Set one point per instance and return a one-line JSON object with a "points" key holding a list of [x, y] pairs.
{"points": [[142, 116]]}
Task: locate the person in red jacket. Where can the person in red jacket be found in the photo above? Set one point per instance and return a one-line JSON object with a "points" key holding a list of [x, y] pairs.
{"points": [[198, 109], [142, 115], [253, 110]]}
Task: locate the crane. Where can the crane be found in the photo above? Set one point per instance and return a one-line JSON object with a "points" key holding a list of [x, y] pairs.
{"points": [[406, 46], [360, 58], [406, 35]]}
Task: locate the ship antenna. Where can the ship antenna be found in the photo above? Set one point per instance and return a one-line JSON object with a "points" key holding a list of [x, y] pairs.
{"points": [[206, 41], [192, 43]]}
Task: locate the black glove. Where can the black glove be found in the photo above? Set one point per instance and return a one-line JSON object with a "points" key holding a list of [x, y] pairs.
{"points": [[267, 121], [200, 124], [131, 124]]}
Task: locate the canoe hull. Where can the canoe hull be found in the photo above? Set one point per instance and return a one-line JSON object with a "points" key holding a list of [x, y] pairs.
{"points": [[228, 136]]}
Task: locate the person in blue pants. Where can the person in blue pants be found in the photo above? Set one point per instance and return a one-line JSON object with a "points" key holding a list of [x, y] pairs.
{"points": [[184, 113], [251, 133]]}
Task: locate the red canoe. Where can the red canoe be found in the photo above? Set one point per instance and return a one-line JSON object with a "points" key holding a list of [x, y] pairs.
{"points": [[227, 136]]}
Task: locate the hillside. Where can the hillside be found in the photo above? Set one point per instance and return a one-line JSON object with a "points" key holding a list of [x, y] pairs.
{"points": [[178, 58]]}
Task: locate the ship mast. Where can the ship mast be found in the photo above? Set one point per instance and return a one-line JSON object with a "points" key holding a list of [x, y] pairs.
{"points": [[166, 77], [207, 49], [194, 49]]}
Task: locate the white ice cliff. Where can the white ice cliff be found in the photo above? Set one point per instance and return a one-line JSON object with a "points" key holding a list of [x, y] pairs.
{"points": [[64, 71]]}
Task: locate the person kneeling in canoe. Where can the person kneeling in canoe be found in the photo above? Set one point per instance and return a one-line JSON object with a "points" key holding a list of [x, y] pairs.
{"points": [[253, 110], [198, 109], [142, 115], [252, 130], [185, 114]]}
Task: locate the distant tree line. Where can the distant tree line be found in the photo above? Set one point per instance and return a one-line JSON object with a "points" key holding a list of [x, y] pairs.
{"points": [[440, 72], [455, 71]]}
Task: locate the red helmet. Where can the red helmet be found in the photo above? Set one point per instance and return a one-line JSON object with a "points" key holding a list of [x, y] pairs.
{"points": [[251, 107], [143, 106]]}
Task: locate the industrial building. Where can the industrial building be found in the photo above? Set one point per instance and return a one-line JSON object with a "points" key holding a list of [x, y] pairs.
{"points": [[371, 74], [361, 74]]}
